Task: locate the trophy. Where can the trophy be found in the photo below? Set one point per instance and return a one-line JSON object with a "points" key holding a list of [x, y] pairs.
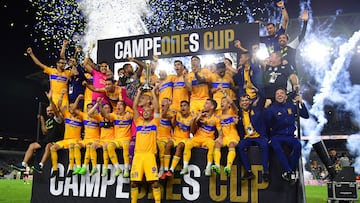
{"points": [[146, 87]]}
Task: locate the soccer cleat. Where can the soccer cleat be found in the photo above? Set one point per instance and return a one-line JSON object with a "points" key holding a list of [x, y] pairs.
{"points": [[117, 172], [18, 167], [184, 171], [248, 176], [37, 168], [55, 174], [163, 176], [208, 171], [265, 177], [70, 173], [227, 170], [126, 173], [82, 171], [93, 171], [169, 173], [77, 170], [286, 176], [104, 172], [216, 169]]}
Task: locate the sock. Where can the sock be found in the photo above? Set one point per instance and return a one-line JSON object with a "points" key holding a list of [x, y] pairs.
{"points": [[93, 157], [126, 167], [134, 194], [41, 165], [185, 164], [187, 152], [217, 156], [54, 159], [230, 157], [157, 194], [112, 154], [106, 158], [161, 146], [208, 164], [174, 163], [210, 154], [77, 155], [166, 162], [126, 153], [87, 156], [71, 158], [24, 164]]}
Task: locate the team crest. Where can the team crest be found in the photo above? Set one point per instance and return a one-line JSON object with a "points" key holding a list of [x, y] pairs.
{"points": [[289, 111]]}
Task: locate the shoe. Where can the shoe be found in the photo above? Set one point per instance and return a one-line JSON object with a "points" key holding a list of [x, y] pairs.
{"points": [[82, 171], [77, 170], [265, 177], [208, 171], [126, 173], [104, 172], [161, 172], [184, 171], [169, 173], [93, 171], [216, 169], [18, 167], [54, 174], [118, 172], [37, 169], [286, 176], [70, 173], [248, 176], [227, 170], [293, 178], [163, 176]]}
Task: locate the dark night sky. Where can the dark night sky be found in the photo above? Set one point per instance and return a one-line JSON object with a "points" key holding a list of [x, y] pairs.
{"points": [[18, 101]]}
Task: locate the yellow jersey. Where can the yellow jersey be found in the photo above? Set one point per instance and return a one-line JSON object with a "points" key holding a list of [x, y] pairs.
{"points": [[250, 132], [182, 127], [73, 125], [226, 83], [208, 127], [180, 91], [199, 91], [164, 128], [106, 129], [228, 124], [91, 126], [122, 124], [146, 135], [166, 89]]}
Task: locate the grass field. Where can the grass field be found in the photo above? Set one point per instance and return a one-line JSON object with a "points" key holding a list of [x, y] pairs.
{"points": [[15, 191]]}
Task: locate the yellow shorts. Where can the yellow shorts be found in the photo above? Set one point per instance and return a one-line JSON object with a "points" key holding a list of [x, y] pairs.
{"points": [[102, 142], [163, 139], [229, 139], [89, 141], [177, 141], [65, 143], [144, 163], [202, 141], [197, 106], [121, 142]]}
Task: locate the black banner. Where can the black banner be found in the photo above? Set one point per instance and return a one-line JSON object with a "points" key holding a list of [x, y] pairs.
{"points": [[219, 39], [194, 186]]}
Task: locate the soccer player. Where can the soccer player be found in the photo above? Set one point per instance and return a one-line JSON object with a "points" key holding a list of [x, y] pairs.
{"points": [[58, 77], [165, 89], [230, 137], [180, 89], [91, 134], [144, 162], [53, 130], [197, 81], [206, 123], [122, 120], [221, 82], [253, 128], [181, 123], [164, 133], [281, 116], [73, 123], [106, 136]]}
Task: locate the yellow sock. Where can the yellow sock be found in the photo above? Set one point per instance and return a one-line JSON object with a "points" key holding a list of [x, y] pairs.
{"points": [[87, 156], [174, 162], [217, 156], [112, 154], [71, 158], [161, 146], [77, 155], [105, 158], [157, 194], [230, 157], [126, 153], [187, 151], [54, 159], [134, 194], [210, 154], [167, 161], [93, 157]]}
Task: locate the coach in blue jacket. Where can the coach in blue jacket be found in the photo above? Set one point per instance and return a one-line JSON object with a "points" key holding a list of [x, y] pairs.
{"points": [[281, 119]]}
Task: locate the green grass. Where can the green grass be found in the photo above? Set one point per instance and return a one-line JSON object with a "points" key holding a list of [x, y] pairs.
{"points": [[15, 191]]}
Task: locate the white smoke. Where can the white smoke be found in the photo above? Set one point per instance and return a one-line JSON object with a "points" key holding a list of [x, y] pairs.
{"points": [[108, 19]]}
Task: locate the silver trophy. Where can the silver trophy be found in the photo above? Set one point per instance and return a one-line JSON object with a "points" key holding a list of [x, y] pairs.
{"points": [[146, 87]]}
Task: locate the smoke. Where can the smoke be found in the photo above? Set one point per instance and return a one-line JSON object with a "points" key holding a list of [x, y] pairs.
{"points": [[111, 19]]}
